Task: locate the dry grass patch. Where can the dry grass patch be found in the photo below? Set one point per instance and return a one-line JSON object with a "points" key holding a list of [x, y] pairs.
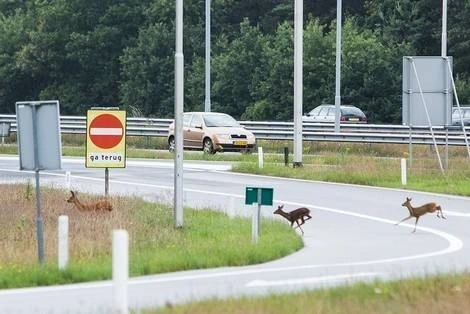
{"points": [[89, 232]]}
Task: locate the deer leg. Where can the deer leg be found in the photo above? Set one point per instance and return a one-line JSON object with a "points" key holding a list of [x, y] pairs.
{"points": [[406, 218], [439, 211], [442, 215], [300, 228], [306, 217], [416, 222], [297, 222]]}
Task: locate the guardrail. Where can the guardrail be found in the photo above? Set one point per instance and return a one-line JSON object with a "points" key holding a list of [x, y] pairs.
{"points": [[275, 130]]}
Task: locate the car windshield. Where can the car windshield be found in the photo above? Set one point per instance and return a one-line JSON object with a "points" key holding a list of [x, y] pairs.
{"points": [[218, 120]]}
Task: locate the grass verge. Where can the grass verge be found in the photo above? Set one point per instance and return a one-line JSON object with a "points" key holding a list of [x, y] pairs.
{"points": [[208, 239], [435, 295]]}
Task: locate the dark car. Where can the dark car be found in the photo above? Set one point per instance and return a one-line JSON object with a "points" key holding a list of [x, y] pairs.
{"points": [[326, 113], [465, 111]]}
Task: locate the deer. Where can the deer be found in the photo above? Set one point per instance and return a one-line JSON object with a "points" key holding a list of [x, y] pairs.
{"points": [[96, 206], [417, 212], [300, 214]]}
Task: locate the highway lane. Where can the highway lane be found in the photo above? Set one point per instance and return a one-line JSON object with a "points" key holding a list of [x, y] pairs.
{"points": [[352, 236]]}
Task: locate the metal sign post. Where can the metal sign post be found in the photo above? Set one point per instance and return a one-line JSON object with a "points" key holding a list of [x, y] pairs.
{"points": [[5, 129], [39, 121], [261, 196]]}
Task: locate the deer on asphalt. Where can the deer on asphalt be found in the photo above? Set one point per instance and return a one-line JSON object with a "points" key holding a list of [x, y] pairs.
{"points": [[299, 216], [417, 212]]}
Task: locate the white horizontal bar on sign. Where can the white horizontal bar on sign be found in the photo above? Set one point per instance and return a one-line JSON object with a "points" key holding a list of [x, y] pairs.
{"points": [[106, 131]]}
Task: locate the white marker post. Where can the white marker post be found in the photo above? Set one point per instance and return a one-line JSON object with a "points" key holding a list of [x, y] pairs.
{"points": [[63, 242], [260, 157], [120, 271], [67, 180], [231, 207], [403, 171]]}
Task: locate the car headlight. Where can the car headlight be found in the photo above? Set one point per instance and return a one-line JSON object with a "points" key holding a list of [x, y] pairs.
{"points": [[250, 136]]}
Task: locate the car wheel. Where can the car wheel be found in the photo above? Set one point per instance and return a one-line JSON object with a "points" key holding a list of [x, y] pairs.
{"points": [[171, 144], [208, 146]]}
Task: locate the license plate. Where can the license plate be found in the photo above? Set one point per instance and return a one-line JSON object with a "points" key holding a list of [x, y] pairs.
{"points": [[353, 119], [240, 143]]}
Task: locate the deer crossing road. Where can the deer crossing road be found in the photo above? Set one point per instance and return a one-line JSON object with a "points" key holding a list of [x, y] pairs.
{"points": [[351, 236]]}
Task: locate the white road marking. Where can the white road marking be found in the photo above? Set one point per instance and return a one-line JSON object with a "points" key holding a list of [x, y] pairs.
{"points": [[270, 283], [455, 244], [454, 213], [140, 163]]}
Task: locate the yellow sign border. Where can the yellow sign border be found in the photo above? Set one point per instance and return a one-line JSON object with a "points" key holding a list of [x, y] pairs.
{"points": [[97, 157]]}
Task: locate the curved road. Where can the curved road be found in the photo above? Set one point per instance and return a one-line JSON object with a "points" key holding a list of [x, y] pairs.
{"points": [[351, 237]]}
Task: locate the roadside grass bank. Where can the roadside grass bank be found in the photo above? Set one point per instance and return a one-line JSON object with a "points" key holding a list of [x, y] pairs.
{"points": [[423, 175], [377, 165], [208, 238], [434, 295]]}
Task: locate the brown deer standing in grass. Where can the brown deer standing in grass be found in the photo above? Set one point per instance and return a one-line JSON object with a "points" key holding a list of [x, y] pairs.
{"points": [[96, 206], [421, 210], [300, 214]]}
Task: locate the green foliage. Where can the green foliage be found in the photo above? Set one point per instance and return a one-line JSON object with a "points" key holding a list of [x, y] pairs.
{"points": [[121, 53], [147, 72], [407, 21], [234, 74], [275, 88], [372, 75]]}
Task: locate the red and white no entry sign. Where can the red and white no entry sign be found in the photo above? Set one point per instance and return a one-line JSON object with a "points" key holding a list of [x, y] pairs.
{"points": [[106, 131]]}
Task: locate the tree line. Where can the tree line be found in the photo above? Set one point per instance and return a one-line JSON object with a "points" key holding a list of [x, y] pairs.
{"points": [[88, 53]]}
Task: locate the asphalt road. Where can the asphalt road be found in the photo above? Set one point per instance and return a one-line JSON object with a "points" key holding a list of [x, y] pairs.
{"points": [[352, 236]]}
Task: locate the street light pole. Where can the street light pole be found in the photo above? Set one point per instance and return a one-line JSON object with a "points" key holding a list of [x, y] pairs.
{"points": [[298, 83], [444, 29], [338, 67], [179, 106], [207, 102]]}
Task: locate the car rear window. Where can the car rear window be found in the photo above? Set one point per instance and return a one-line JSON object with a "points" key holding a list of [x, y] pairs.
{"points": [[352, 111]]}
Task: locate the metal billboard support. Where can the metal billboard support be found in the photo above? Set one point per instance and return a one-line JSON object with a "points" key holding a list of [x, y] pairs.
{"points": [[39, 220], [36, 120], [458, 106], [427, 98], [427, 115]]}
